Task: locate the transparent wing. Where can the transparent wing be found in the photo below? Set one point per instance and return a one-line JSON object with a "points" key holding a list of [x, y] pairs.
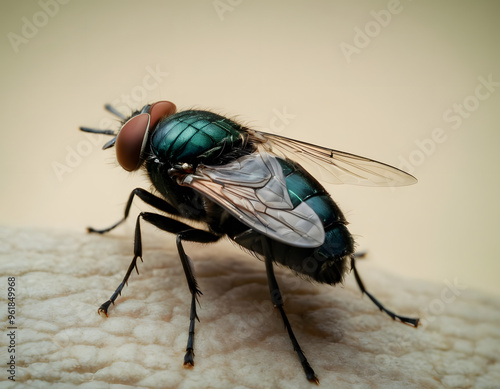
{"points": [[334, 166], [253, 189]]}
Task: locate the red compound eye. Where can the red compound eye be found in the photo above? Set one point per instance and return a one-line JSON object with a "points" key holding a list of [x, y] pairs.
{"points": [[131, 140], [159, 110]]}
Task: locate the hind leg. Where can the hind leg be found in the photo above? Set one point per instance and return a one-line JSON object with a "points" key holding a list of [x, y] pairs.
{"points": [[403, 319]]}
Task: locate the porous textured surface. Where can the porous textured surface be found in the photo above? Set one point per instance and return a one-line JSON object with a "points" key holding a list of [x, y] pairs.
{"points": [[61, 342]]}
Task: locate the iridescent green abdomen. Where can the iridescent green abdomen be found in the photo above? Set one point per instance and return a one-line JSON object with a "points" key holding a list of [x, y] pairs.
{"points": [[326, 263], [194, 136], [302, 187]]}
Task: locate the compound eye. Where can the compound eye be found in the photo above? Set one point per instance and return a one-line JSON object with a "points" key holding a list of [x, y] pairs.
{"points": [[131, 141], [160, 110]]}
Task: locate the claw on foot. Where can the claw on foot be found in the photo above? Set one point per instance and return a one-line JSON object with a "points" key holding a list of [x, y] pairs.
{"points": [[189, 359], [313, 380], [104, 308], [310, 375]]}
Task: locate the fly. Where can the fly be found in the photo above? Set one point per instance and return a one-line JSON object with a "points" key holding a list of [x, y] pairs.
{"points": [[250, 186]]}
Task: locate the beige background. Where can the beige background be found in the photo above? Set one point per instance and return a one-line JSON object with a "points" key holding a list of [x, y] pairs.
{"points": [[253, 59]]}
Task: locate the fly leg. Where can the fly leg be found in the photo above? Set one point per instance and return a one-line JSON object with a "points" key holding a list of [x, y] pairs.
{"points": [[137, 254], [194, 236], [184, 232], [145, 196], [403, 319], [278, 303]]}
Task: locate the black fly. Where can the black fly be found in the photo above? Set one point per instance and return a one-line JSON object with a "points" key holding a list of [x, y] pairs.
{"points": [[247, 185]]}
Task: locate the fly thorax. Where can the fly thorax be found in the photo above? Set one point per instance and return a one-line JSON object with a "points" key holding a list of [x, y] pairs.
{"points": [[194, 136]]}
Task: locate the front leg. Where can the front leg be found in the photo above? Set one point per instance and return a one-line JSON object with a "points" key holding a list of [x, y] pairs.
{"points": [[184, 233], [137, 254], [145, 196]]}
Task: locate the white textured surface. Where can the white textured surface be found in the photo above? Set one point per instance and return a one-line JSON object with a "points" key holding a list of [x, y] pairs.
{"points": [[62, 278]]}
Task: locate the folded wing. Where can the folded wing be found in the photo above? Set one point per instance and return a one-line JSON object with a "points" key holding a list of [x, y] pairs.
{"points": [[333, 166], [253, 189]]}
